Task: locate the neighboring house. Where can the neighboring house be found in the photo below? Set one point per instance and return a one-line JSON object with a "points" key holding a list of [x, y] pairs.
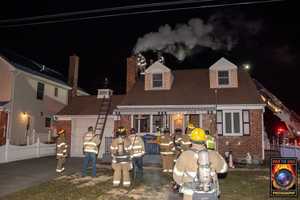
{"points": [[30, 94], [221, 99]]}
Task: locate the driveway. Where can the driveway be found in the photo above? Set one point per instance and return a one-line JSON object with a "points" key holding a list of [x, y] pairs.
{"points": [[19, 175]]}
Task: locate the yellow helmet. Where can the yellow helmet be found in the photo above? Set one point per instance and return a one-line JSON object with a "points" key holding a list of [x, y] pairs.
{"points": [[198, 135], [61, 131], [191, 126]]}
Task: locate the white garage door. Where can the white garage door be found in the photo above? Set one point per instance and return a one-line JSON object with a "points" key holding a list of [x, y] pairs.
{"points": [[80, 126]]}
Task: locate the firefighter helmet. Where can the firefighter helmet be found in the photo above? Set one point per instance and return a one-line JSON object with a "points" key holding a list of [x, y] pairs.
{"points": [[61, 131], [191, 126], [121, 131], [198, 135]]}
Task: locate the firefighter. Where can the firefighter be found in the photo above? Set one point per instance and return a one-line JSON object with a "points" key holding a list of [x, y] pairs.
{"points": [[210, 141], [189, 129], [167, 151], [196, 169], [138, 151], [91, 143], [61, 150], [121, 158]]}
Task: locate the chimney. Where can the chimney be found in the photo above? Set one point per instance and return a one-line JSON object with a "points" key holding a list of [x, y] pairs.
{"points": [[73, 75], [132, 73]]}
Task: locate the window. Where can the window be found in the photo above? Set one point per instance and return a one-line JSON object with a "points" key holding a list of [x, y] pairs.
{"points": [[40, 91], [56, 92], [141, 123], [48, 122], [246, 122], [223, 77], [232, 122], [157, 122], [220, 122], [157, 81]]}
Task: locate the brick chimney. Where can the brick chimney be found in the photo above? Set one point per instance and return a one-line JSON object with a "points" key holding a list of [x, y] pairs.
{"points": [[73, 76], [132, 73]]}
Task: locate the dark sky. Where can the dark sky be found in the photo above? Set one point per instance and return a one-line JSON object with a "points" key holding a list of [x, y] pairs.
{"points": [[103, 44]]}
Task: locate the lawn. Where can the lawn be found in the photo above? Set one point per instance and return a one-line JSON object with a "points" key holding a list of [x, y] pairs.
{"points": [[237, 185]]}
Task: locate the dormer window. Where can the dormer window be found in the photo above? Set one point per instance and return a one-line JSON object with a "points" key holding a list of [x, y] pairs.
{"points": [[157, 80], [223, 77]]}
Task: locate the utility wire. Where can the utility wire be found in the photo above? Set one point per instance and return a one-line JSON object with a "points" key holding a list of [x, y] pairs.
{"points": [[138, 12], [119, 8]]}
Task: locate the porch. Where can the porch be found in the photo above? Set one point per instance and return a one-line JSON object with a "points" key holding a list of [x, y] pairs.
{"points": [[146, 123]]}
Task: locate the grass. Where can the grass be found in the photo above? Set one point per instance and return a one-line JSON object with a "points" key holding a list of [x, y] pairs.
{"points": [[238, 185]]}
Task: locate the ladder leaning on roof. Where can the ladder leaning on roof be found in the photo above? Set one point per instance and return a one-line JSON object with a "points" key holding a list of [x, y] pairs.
{"points": [[102, 118]]}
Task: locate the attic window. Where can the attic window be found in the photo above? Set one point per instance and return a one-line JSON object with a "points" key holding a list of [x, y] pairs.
{"points": [[157, 81], [223, 77]]}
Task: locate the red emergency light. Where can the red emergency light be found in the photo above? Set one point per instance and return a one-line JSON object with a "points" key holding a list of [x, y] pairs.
{"points": [[280, 130]]}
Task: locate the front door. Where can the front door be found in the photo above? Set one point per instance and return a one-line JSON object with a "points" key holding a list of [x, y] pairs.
{"points": [[177, 120], [3, 126]]}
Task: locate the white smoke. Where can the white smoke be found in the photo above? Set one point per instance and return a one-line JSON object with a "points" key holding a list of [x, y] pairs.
{"points": [[181, 40]]}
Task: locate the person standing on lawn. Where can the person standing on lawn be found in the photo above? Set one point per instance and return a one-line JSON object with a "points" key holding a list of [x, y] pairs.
{"points": [[121, 158], [61, 150], [138, 151], [91, 142]]}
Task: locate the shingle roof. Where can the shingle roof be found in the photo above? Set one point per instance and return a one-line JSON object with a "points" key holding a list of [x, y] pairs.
{"points": [[88, 105], [191, 87], [25, 64]]}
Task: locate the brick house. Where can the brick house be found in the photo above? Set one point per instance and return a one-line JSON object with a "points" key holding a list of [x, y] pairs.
{"points": [[221, 99]]}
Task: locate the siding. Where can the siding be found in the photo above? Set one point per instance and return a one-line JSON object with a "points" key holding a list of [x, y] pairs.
{"points": [[25, 101]]}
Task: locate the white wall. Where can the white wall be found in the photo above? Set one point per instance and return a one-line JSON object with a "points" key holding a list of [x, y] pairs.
{"points": [[80, 126], [24, 100]]}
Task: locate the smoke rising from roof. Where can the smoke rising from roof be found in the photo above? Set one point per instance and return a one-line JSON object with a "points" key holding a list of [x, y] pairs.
{"points": [[220, 32]]}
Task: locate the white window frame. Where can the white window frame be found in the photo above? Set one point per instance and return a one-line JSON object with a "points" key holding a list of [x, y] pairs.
{"points": [[232, 123], [223, 85], [139, 124], [162, 80]]}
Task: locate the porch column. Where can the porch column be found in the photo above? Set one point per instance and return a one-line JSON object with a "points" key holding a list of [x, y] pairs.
{"points": [[151, 122], [183, 122], [131, 121], [200, 120]]}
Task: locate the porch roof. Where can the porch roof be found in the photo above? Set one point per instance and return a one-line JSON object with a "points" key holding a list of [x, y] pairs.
{"points": [[168, 110]]}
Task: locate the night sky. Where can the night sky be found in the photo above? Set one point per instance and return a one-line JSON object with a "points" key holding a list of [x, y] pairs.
{"points": [[103, 44]]}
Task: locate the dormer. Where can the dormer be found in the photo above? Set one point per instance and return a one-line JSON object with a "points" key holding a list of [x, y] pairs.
{"points": [[158, 77], [223, 74]]}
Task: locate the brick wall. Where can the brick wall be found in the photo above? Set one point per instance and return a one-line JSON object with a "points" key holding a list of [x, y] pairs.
{"points": [[131, 73], [240, 145], [66, 125]]}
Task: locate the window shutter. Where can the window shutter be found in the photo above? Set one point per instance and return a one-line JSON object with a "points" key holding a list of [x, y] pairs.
{"points": [[246, 122], [220, 122]]}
